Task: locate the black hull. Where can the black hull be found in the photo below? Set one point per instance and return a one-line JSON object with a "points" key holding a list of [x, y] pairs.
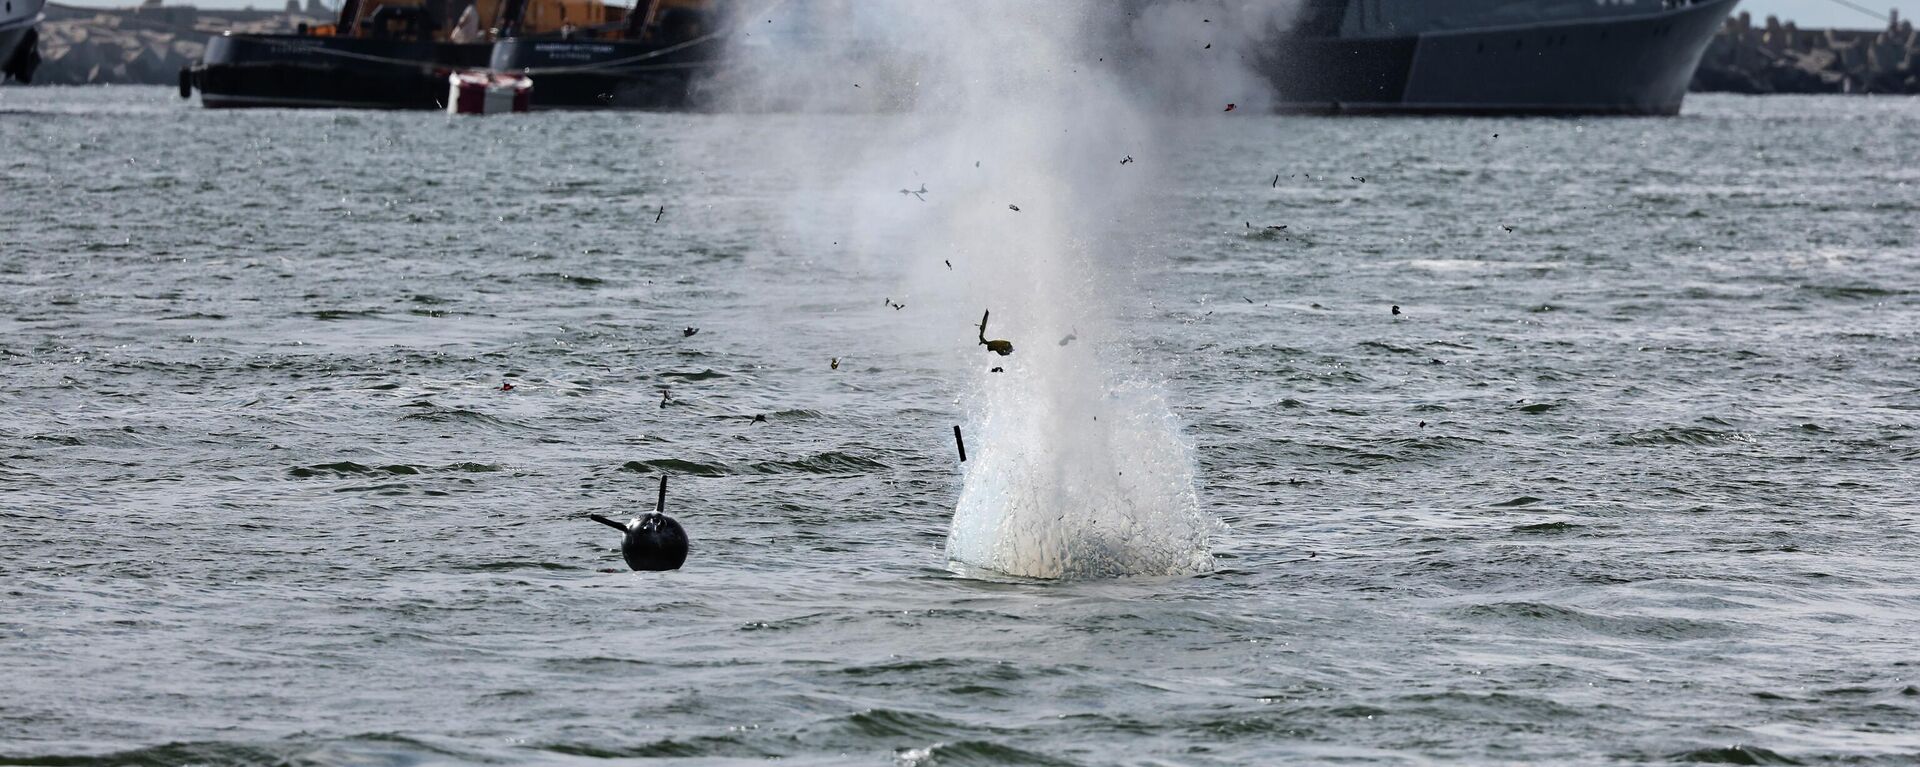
{"points": [[592, 74], [1619, 66], [330, 72], [19, 52]]}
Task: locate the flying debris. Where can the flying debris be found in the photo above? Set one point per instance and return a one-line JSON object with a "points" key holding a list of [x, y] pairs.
{"points": [[1396, 310], [688, 333], [998, 370], [1508, 228], [1276, 181], [1280, 228], [1070, 337], [760, 418], [656, 216], [666, 397], [1361, 179], [1014, 208], [997, 346], [1231, 107], [833, 364], [919, 193], [506, 386], [1127, 159], [948, 263]]}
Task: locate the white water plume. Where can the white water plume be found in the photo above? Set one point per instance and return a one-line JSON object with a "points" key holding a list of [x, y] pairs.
{"points": [[1020, 123]]}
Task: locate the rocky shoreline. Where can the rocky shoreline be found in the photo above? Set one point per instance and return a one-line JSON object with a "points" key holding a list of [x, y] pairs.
{"points": [[148, 44], [1782, 58]]}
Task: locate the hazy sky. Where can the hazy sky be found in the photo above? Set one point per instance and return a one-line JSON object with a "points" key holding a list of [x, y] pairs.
{"points": [[1809, 13]]}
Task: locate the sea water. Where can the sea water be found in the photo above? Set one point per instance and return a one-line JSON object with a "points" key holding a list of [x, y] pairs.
{"points": [[1629, 479]]}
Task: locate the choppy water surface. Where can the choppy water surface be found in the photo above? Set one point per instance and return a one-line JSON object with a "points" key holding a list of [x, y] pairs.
{"points": [[261, 499]]}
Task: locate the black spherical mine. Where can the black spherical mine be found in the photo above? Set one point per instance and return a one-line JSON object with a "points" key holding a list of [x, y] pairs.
{"points": [[653, 540]]}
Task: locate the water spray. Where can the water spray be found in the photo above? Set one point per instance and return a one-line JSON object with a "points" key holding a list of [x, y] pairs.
{"points": [[1080, 468]]}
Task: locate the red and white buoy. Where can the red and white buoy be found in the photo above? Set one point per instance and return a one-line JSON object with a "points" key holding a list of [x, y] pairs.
{"points": [[485, 93]]}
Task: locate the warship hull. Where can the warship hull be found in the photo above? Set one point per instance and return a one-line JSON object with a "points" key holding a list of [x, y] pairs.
{"points": [[1618, 65], [19, 40]]}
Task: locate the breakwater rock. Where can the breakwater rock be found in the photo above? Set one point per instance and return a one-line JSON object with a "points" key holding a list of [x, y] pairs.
{"points": [[144, 45], [1782, 58]]}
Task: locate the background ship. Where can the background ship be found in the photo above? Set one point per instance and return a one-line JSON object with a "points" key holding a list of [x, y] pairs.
{"points": [[1549, 57], [1560, 57], [649, 57], [381, 54], [1554, 57], [19, 39]]}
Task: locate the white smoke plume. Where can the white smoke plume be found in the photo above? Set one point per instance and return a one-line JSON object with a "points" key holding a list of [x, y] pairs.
{"points": [[1200, 54], [1021, 119]]}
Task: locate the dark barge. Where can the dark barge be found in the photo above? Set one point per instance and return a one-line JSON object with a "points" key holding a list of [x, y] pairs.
{"points": [[338, 72], [379, 54], [653, 60]]}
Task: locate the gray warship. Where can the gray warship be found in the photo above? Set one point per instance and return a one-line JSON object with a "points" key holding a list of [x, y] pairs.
{"points": [[1492, 57]]}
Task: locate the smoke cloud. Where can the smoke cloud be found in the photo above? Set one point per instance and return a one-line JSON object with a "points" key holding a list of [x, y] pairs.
{"points": [[1020, 119]]}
